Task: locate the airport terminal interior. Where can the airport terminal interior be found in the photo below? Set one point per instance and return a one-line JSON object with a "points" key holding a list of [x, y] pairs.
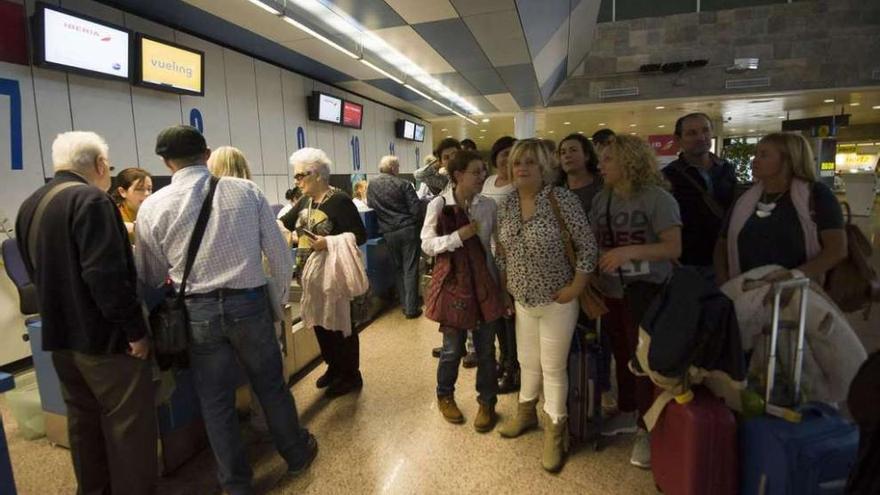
{"points": [[678, 109]]}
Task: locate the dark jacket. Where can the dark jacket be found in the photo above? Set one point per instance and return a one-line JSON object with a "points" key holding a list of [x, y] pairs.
{"points": [[84, 271], [692, 323], [700, 227], [395, 201]]}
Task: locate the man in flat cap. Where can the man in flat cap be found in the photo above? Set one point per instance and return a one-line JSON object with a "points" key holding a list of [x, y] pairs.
{"points": [[226, 297]]}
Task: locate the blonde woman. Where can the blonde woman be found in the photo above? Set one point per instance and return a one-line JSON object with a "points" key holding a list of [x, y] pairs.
{"points": [[787, 218], [359, 195], [638, 227], [544, 287], [227, 161]]}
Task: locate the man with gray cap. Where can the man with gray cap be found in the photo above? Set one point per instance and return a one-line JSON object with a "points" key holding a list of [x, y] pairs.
{"points": [[226, 298]]}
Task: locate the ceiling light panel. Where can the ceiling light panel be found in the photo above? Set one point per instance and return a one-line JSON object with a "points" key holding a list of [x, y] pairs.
{"points": [[340, 22]]}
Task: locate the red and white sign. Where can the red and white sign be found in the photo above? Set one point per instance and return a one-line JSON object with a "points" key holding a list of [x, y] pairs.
{"points": [[82, 44], [352, 113], [664, 145]]}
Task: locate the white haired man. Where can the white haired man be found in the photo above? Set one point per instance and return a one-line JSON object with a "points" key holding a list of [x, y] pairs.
{"points": [[226, 299], [325, 211], [397, 210], [76, 251]]}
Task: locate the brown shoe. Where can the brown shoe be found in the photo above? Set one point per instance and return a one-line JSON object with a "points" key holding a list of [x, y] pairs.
{"points": [[486, 418], [449, 409]]}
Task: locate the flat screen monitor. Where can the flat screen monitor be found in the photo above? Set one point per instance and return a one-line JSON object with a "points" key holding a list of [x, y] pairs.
{"points": [[69, 41], [352, 114], [409, 130], [419, 134], [325, 108], [169, 66]]}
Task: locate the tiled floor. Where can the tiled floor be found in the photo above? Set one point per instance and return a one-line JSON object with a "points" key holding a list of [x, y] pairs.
{"points": [[388, 439], [391, 439]]}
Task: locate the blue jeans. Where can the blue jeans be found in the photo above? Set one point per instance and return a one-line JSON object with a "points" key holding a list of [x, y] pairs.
{"points": [[450, 358], [224, 332], [404, 248]]}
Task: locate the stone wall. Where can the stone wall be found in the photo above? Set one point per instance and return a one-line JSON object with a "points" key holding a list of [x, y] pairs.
{"points": [[801, 45]]}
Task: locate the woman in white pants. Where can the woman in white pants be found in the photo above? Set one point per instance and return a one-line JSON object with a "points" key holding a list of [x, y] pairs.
{"points": [[544, 287]]}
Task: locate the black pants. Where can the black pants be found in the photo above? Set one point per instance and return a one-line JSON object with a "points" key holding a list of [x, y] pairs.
{"points": [[404, 248], [111, 421], [342, 354]]}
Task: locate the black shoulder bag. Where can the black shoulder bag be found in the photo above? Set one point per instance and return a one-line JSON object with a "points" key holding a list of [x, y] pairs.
{"points": [[169, 321]]}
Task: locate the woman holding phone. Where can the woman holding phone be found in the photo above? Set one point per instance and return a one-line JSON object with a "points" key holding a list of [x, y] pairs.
{"points": [[325, 211]]}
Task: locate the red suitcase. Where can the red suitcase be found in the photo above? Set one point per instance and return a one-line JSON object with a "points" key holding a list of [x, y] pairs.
{"points": [[694, 448]]}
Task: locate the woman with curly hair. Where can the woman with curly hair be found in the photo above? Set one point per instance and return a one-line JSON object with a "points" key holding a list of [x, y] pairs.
{"points": [[637, 225]]}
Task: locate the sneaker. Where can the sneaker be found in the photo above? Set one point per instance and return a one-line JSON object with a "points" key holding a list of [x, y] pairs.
{"points": [[622, 423], [449, 409], [294, 471], [641, 453], [470, 360]]}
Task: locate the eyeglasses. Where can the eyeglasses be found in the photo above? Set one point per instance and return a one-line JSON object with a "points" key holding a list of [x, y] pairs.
{"points": [[301, 176]]}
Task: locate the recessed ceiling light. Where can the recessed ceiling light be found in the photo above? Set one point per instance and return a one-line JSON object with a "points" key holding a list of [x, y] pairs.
{"points": [[482, 130], [751, 130], [659, 107], [733, 130], [552, 132], [601, 123], [580, 132], [482, 137], [876, 107], [783, 117], [854, 104], [661, 126], [632, 125], [566, 123], [443, 130], [829, 100], [485, 120], [449, 136], [632, 134]]}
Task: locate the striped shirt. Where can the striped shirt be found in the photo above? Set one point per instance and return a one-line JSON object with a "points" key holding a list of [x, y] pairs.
{"points": [[240, 229]]}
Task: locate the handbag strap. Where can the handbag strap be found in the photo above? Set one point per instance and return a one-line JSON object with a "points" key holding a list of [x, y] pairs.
{"points": [[37, 219], [563, 227], [198, 233], [713, 205]]}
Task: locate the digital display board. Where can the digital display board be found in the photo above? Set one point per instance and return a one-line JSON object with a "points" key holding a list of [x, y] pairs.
{"points": [[352, 114], [69, 41], [170, 67]]}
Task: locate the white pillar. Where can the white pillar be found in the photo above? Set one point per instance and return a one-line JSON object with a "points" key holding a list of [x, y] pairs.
{"points": [[524, 125]]}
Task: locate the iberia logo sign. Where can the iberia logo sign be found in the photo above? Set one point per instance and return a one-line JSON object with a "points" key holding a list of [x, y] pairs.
{"points": [[89, 31]]}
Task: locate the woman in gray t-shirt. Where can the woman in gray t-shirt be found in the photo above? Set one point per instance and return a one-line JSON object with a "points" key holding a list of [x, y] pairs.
{"points": [[637, 225]]}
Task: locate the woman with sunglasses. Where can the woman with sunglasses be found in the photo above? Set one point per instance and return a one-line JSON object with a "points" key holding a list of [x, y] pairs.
{"points": [[325, 211]]}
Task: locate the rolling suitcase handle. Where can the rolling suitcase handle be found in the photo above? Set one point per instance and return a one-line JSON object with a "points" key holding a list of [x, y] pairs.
{"points": [[803, 284]]}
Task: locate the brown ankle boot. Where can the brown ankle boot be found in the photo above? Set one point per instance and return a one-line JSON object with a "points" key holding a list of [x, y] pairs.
{"points": [[486, 418], [526, 418], [555, 445], [449, 409]]}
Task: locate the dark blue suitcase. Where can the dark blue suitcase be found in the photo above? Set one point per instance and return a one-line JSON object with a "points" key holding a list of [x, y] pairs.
{"points": [[810, 457], [585, 385]]}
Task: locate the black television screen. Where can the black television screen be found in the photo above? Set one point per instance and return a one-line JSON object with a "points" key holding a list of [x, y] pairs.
{"points": [[419, 133], [169, 66], [352, 114], [325, 108], [70, 41]]}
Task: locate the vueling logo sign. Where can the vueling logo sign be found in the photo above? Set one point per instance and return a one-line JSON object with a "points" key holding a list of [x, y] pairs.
{"points": [[172, 67]]}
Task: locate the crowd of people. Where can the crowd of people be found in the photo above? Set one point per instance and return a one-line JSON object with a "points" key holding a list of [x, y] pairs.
{"points": [[497, 232]]}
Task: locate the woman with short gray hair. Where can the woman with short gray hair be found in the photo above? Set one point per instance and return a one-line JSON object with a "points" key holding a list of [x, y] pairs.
{"points": [[322, 212]]}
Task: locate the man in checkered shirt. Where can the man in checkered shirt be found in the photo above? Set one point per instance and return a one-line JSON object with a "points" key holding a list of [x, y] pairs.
{"points": [[226, 299]]}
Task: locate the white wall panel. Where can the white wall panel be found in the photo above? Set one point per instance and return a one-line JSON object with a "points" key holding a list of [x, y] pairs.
{"points": [[52, 109], [295, 113], [241, 94], [104, 107], [371, 151], [17, 185], [271, 113], [212, 107]]}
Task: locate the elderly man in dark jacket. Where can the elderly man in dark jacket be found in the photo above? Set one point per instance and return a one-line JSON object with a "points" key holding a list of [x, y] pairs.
{"points": [[76, 250], [397, 209]]}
